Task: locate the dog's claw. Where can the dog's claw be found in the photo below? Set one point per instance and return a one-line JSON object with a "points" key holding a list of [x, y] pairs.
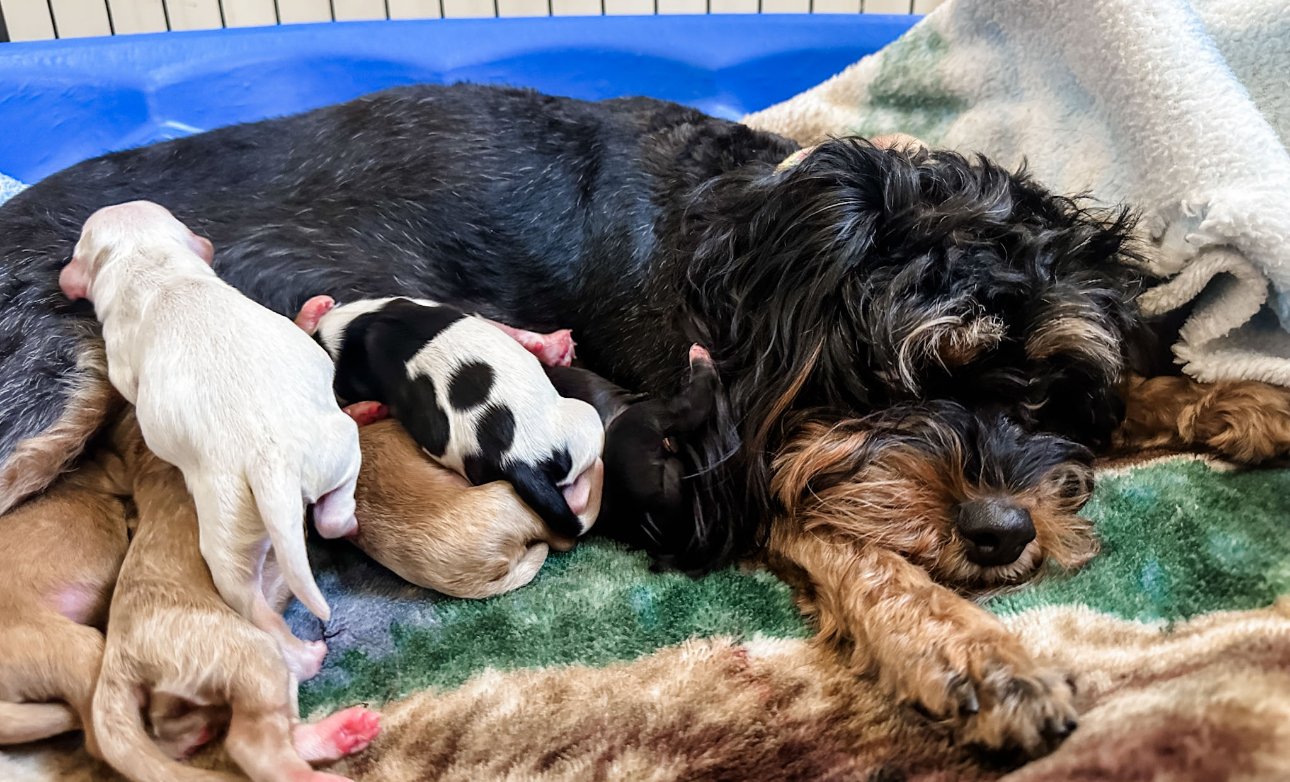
{"points": [[992, 695]]}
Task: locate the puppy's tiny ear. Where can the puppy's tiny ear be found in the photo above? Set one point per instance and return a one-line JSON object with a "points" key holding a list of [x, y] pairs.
{"points": [[202, 246]]}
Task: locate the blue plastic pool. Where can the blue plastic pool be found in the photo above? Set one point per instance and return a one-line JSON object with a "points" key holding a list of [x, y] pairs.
{"points": [[64, 101]]}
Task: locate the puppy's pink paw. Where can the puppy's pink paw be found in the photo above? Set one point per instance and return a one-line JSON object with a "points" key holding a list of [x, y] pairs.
{"points": [[365, 413], [337, 736], [699, 354], [555, 349], [312, 311], [306, 659], [353, 729]]}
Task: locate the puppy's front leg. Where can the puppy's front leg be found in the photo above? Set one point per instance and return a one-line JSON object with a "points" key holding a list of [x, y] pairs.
{"points": [[945, 655], [554, 350]]}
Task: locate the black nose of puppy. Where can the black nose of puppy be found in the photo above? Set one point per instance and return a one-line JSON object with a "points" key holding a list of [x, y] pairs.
{"points": [[995, 531]]}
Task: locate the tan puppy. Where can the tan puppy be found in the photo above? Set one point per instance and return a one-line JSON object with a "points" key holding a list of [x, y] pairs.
{"points": [[432, 528], [171, 640], [60, 558]]}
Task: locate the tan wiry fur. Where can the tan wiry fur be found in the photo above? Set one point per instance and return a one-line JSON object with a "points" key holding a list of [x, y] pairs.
{"points": [[871, 556], [1075, 334], [1245, 421], [432, 528], [37, 461], [61, 555]]}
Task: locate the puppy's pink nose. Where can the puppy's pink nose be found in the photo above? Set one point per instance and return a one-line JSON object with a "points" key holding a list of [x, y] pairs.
{"points": [[72, 282]]}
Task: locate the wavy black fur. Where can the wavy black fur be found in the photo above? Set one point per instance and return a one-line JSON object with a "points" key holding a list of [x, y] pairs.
{"points": [[860, 278]]}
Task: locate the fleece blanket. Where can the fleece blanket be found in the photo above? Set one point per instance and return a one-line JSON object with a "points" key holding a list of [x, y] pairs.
{"points": [[601, 669], [1177, 108], [1178, 633]]}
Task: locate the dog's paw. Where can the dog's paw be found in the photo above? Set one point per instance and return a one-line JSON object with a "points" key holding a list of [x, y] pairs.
{"points": [[1031, 711], [365, 413], [992, 695], [305, 659], [554, 349], [1243, 421], [342, 734]]}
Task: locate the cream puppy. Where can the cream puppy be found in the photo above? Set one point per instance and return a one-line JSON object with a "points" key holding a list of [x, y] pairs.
{"points": [[233, 395]]}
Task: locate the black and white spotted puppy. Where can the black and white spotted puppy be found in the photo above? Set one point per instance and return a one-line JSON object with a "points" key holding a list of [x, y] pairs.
{"points": [[475, 400]]}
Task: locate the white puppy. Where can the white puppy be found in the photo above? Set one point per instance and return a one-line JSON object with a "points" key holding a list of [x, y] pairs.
{"points": [[235, 396]]}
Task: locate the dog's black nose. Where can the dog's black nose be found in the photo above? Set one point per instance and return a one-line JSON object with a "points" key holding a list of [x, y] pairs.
{"points": [[995, 531]]}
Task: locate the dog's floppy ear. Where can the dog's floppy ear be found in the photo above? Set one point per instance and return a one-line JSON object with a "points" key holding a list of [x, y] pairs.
{"points": [[202, 246]]}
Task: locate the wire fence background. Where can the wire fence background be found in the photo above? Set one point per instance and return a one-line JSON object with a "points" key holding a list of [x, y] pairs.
{"points": [[38, 20]]}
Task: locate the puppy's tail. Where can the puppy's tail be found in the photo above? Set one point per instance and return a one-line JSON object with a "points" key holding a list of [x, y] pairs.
{"points": [[125, 744], [282, 509]]}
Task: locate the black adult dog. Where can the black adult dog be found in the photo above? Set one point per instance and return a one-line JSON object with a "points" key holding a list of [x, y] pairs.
{"points": [[859, 280]]}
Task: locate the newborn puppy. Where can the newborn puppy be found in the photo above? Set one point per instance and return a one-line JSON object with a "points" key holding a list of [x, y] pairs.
{"points": [[648, 445], [432, 528], [231, 394], [473, 398], [554, 349], [60, 558], [172, 640]]}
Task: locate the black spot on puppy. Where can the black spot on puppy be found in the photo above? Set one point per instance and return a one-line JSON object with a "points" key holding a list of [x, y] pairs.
{"points": [[415, 404], [470, 385], [494, 432]]}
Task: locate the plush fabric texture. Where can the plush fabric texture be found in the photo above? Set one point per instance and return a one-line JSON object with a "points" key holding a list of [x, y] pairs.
{"points": [[602, 669], [1177, 108], [9, 187], [1177, 633]]}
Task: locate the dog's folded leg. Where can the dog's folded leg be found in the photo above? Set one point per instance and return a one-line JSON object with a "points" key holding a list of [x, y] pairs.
{"points": [[1245, 421], [237, 570], [54, 659], [24, 722], [334, 511], [944, 655]]}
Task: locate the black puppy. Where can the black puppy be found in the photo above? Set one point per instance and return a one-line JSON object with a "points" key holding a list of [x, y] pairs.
{"points": [[651, 456]]}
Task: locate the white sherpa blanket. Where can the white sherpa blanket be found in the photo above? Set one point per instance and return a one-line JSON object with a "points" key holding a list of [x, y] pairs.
{"points": [[1179, 109]]}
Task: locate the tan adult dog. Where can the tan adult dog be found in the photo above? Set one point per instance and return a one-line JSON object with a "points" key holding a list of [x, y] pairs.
{"points": [[432, 528], [172, 640], [61, 555]]}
